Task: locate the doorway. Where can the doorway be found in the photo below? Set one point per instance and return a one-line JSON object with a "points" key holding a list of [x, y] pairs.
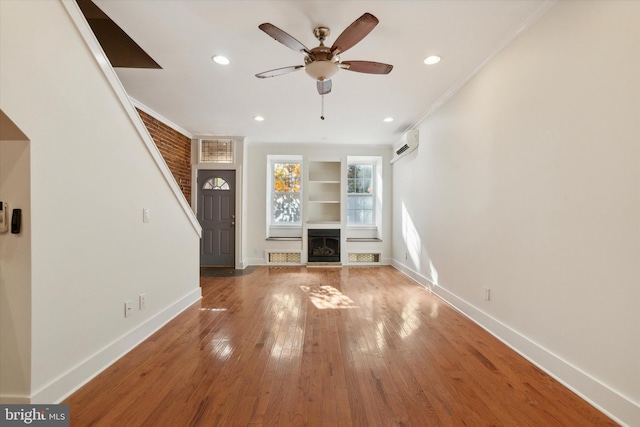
{"points": [[217, 216]]}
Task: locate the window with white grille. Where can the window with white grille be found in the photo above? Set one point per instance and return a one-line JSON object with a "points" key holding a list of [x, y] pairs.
{"points": [[360, 191], [285, 188]]}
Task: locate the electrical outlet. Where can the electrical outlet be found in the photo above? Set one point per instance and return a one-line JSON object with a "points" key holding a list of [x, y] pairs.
{"points": [[142, 299], [487, 294], [128, 308]]}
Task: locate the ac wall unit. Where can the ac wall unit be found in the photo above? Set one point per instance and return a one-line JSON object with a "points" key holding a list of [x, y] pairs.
{"points": [[410, 142]]}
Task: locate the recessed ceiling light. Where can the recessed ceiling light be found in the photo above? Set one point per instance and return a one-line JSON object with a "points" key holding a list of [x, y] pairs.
{"points": [[433, 59], [219, 59], [388, 119], [258, 119]]}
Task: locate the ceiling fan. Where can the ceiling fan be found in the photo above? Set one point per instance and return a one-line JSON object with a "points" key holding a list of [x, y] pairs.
{"points": [[322, 62]]}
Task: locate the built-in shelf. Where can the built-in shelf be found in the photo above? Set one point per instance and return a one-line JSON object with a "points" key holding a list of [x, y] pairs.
{"points": [[324, 192], [324, 171]]}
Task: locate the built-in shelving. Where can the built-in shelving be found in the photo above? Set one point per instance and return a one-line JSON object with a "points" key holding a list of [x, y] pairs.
{"points": [[324, 192]]}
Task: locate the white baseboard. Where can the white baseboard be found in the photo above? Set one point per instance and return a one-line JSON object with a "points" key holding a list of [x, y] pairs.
{"points": [[618, 407], [11, 399], [58, 389]]}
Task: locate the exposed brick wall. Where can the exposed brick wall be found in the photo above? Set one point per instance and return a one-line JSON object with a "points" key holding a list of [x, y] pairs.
{"points": [[175, 148]]}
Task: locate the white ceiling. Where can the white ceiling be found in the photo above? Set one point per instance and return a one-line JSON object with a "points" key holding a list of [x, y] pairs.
{"points": [[205, 98]]}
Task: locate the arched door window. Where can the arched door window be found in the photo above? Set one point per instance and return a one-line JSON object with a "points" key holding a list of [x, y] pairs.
{"points": [[215, 184]]}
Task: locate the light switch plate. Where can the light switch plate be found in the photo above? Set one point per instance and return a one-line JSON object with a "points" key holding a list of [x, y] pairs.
{"points": [[128, 308]]}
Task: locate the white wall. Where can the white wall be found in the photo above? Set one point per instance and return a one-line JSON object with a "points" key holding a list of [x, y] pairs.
{"points": [[527, 182], [93, 170], [256, 193], [15, 275]]}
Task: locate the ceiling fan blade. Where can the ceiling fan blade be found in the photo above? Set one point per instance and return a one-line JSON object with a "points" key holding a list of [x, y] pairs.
{"points": [[324, 87], [368, 67], [280, 36], [278, 71], [354, 33]]}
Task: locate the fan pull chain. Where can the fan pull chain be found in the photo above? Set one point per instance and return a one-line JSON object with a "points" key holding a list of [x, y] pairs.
{"points": [[322, 107]]}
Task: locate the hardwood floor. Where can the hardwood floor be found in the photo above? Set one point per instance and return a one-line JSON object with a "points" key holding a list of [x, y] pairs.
{"points": [[352, 346]]}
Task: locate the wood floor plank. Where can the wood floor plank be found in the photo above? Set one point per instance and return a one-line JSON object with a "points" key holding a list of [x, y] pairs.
{"points": [[351, 346]]}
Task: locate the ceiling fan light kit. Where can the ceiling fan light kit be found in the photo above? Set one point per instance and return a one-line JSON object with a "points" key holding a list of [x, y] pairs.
{"points": [[322, 70]]}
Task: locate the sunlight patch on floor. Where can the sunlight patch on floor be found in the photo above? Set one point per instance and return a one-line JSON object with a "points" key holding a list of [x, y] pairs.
{"points": [[324, 297]]}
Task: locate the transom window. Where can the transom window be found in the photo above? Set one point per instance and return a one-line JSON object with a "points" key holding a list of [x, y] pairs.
{"points": [[216, 151], [215, 184], [360, 191]]}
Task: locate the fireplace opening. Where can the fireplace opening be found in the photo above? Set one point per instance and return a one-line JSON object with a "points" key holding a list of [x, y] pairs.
{"points": [[324, 245]]}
